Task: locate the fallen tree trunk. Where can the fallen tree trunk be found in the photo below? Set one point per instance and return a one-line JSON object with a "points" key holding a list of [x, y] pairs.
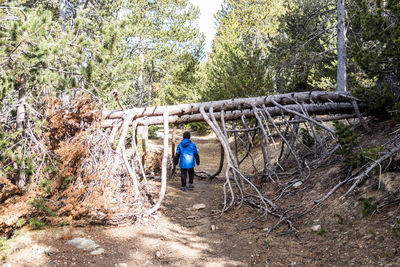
{"points": [[312, 109], [233, 104]]}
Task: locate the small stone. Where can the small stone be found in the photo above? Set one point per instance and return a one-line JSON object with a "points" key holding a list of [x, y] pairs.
{"points": [[213, 227], [250, 243], [50, 251], [316, 228], [97, 251], [158, 254], [297, 184], [121, 265], [292, 264], [199, 206], [83, 243], [190, 217]]}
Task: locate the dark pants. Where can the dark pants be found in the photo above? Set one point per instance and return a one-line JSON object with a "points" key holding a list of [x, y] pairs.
{"points": [[184, 175]]}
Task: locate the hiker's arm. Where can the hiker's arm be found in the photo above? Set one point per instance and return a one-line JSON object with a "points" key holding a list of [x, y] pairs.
{"points": [[196, 155], [177, 155], [176, 159]]}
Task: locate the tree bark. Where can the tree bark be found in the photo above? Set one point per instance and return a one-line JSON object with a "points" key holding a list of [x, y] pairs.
{"points": [[145, 138], [233, 104], [312, 109], [150, 84], [341, 46], [163, 166], [173, 148], [221, 163], [20, 126], [141, 74]]}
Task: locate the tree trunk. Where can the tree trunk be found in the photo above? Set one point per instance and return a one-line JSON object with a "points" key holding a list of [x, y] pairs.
{"points": [[173, 148], [20, 126], [145, 138], [341, 46], [141, 78], [312, 109], [233, 104], [150, 84], [221, 163], [163, 166]]}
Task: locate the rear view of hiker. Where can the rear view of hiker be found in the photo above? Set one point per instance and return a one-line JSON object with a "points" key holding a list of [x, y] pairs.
{"points": [[187, 156]]}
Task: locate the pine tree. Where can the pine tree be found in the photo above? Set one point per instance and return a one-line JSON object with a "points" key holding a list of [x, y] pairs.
{"points": [[375, 52]]}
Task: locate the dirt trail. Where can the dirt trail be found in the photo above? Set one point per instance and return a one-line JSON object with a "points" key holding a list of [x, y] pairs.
{"points": [[177, 235]]}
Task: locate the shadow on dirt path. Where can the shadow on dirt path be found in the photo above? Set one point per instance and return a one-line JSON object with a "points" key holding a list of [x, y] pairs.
{"points": [[177, 235]]}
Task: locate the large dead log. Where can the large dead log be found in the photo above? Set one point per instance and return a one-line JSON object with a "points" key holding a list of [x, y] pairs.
{"points": [[312, 109], [233, 104]]}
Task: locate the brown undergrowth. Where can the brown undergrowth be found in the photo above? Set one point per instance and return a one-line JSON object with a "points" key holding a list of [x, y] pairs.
{"points": [[74, 181], [68, 137]]}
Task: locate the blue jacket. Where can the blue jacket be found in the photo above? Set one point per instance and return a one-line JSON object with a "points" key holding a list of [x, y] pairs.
{"points": [[187, 153]]}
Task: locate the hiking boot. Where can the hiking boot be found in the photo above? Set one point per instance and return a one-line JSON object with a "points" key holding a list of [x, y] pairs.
{"points": [[191, 186], [183, 188]]}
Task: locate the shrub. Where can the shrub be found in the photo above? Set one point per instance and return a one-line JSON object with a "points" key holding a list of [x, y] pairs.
{"points": [[370, 205], [21, 222], [65, 182], [153, 131], [45, 185], [396, 227], [321, 232], [40, 204], [340, 218], [201, 128], [348, 140], [306, 138], [36, 224]]}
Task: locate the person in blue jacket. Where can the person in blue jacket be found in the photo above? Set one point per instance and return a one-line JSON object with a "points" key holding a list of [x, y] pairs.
{"points": [[187, 156]]}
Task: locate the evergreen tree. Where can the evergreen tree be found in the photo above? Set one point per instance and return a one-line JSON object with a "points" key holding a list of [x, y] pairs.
{"points": [[304, 51], [375, 53], [57, 48], [238, 65]]}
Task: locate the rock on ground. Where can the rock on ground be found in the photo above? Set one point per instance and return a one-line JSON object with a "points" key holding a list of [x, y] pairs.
{"points": [[198, 206], [82, 243]]}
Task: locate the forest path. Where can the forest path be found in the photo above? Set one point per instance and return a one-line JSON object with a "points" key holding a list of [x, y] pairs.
{"points": [[177, 235]]}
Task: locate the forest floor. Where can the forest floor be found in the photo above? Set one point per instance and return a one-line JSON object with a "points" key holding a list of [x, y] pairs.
{"points": [[181, 234]]}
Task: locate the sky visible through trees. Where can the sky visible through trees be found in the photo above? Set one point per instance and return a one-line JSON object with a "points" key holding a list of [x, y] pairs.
{"points": [[208, 8]]}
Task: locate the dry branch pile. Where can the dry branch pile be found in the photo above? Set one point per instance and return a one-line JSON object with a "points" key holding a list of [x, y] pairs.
{"points": [[73, 178]]}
